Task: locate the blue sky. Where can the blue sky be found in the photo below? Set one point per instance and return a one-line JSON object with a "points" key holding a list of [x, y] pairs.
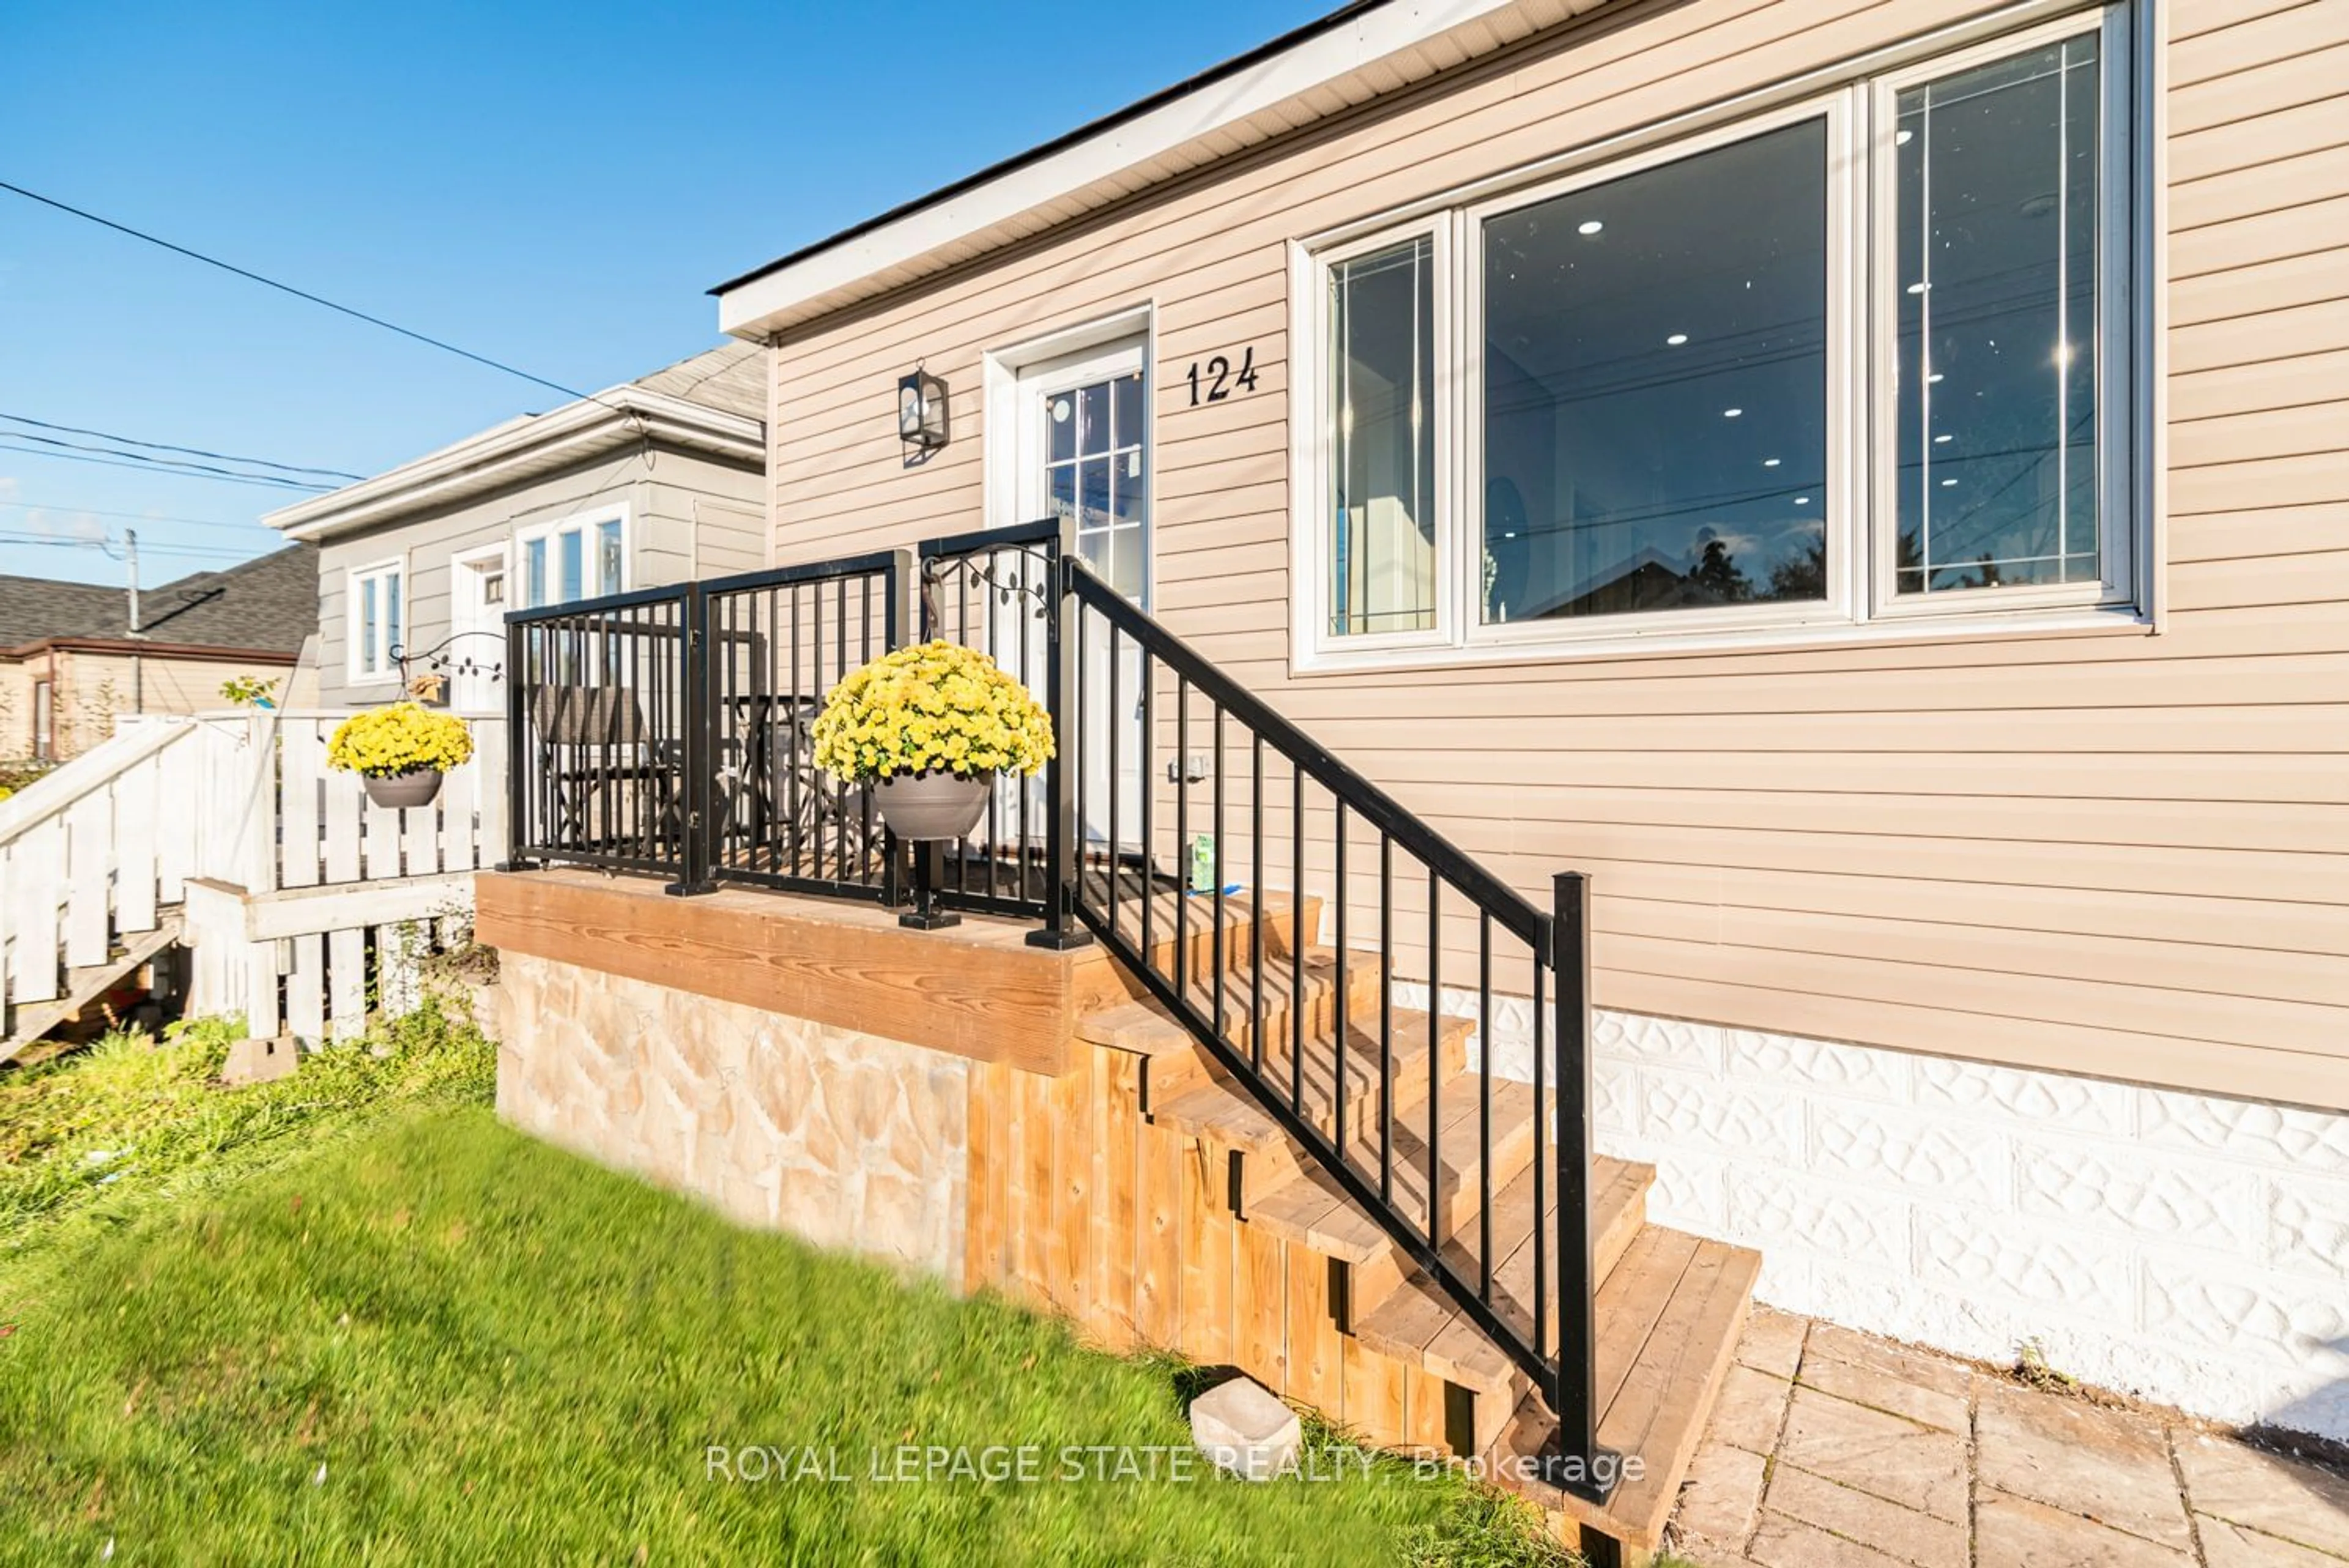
{"points": [[551, 186]]}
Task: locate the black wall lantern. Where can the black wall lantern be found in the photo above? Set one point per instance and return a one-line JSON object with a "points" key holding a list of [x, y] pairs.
{"points": [[921, 415]]}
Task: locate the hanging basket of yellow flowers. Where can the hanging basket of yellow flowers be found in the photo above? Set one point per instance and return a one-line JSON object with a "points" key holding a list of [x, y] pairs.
{"points": [[399, 751], [929, 727]]}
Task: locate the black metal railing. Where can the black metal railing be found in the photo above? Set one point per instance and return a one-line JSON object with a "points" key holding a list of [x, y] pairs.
{"points": [[600, 700], [1192, 798], [773, 645], [668, 730], [999, 590]]}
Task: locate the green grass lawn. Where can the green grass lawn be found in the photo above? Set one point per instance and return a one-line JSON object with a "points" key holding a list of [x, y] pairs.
{"points": [[422, 1337]]}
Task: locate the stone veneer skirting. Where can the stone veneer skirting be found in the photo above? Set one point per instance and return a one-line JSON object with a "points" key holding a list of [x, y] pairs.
{"points": [[846, 1139], [2187, 1248]]}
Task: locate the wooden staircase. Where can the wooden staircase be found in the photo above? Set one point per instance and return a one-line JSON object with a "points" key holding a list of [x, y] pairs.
{"points": [[1670, 1305]]}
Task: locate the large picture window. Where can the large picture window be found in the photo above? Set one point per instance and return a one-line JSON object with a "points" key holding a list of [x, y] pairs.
{"points": [[1654, 430], [1860, 357]]}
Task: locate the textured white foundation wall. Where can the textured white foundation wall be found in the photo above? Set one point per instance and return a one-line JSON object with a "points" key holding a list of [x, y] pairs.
{"points": [[2187, 1248]]}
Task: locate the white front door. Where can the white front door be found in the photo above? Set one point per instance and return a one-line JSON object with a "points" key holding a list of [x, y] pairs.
{"points": [[477, 650], [1085, 454]]}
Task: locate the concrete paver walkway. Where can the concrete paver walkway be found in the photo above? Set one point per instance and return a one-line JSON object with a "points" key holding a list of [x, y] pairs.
{"points": [[1834, 1449]]}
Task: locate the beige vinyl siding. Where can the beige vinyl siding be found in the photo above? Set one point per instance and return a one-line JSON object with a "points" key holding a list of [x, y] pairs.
{"points": [[2107, 852]]}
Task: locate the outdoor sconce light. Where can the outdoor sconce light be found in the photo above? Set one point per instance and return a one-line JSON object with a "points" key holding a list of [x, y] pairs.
{"points": [[921, 414]]}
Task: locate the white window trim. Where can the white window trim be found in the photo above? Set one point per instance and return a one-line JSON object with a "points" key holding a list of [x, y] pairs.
{"points": [[387, 674], [1857, 609], [1843, 495], [588, 521]]}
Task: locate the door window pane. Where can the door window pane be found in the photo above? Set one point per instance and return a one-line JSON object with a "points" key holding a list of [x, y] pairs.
{"points": [[1997, 339], [1655, 387], [1382, 442], [1096, 471]]}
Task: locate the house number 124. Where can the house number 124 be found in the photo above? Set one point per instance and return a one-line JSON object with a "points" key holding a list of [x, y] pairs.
{"points": [[1219, 380]]}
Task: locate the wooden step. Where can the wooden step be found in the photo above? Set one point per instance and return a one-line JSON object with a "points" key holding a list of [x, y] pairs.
{"points": [[28, 1025], [1668, 1322], [1283, 920], [1419, 1325], [1175, 1061], [1226, 1114]]}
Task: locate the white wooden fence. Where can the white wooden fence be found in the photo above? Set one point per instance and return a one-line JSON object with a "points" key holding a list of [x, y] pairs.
{"points": [[290, 885]]}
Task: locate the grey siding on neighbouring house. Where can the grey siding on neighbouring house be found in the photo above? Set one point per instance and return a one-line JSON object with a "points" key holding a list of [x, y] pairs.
{"points": [[690, 515]]}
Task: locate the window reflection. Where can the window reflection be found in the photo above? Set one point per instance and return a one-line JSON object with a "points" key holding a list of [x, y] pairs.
{"points": [[1997, 350], [1655, 387], [1096, 472], [1382, 442]]}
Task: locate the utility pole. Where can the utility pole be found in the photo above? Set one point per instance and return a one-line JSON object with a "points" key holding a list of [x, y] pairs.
{"points": [[138, 664]]}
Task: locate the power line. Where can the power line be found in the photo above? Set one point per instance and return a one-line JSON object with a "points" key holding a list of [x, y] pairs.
{"points": [[150, 467], [165, 464], [198, 552], [190, 450], [296, 293], [132, 517]]}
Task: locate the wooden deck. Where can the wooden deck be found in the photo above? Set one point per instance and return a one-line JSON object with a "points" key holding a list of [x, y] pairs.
{"points": [[1117, 1176]]}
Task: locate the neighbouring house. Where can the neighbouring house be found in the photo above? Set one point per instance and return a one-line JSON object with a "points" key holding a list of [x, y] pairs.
{"points": [[650, 482], [72, 663], [1868, 487]]}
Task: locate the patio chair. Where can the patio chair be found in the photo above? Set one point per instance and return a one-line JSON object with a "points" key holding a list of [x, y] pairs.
{"points": [[611, 786]]}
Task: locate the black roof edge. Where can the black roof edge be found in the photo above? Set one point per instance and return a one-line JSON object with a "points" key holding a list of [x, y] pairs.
{"points": [[1110, 121]]}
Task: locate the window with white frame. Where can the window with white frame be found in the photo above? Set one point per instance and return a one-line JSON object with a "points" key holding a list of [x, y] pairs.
{"points": [[377, 619], [1862, 358], [581, 557]]}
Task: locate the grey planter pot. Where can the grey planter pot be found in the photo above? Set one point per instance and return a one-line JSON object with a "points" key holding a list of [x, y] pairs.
{"points": [[403, 791], [933, 806]]}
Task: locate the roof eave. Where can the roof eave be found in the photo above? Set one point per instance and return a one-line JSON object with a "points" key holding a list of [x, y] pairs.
{"points": [[580, 433], [804, 284]]}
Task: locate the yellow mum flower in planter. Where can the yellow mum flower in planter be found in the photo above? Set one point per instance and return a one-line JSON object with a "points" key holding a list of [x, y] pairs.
{"points": [[929, 727], [401, 751]]}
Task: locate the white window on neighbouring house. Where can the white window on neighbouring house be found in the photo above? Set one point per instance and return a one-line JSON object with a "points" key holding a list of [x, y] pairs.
{"points": [[1860, 358], [44, 722], [377, 619], [581, 557]]}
